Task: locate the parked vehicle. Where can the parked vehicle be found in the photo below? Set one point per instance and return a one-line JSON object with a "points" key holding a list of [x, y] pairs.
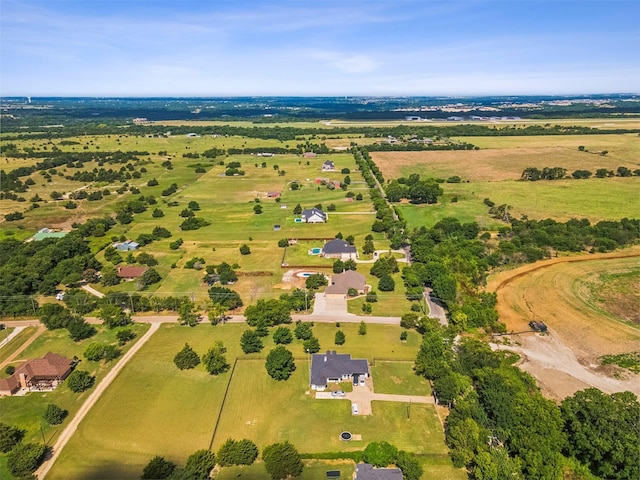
{"points": [[354, 409], [338, 393]]}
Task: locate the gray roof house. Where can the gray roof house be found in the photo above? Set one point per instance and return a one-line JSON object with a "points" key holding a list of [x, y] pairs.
{"points": [[342, 282], [314, 215], [338, 248], [335, 367], [365, 471], [328, 166], [126, 246]]}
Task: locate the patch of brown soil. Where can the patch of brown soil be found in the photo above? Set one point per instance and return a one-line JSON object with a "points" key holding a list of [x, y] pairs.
{"points": [[566, 360]]}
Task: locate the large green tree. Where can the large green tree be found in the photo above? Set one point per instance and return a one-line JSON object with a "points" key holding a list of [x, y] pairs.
{"points": [[199, 465], [250, 342], [158, 468], [9, 437], [280, 364], [25, 458], [271, 312], [602, 432], [214, 360], [113, 316], [282, 460], [237, 452]]}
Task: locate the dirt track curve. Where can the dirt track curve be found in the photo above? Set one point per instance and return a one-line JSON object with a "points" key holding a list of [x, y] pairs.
{"points": [[566, 360]]}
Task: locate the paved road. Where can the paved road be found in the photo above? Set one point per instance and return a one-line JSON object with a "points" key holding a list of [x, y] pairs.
{"points": [[435, 310], [68, 432], [92, 291], [378, 253], [22, 347], [15, 332]]}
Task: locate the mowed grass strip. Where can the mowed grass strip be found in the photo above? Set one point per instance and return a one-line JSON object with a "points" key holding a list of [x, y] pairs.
{"points": [[398, 378]]}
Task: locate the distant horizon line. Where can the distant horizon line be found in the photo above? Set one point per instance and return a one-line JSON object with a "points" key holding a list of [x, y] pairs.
{"points": [[3, 97]]}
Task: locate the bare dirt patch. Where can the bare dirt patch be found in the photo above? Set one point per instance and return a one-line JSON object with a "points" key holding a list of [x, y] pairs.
{"points": [[566, 360]]}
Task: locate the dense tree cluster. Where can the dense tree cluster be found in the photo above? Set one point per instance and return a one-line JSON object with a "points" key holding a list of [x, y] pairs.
{"points": [[38, 267]]}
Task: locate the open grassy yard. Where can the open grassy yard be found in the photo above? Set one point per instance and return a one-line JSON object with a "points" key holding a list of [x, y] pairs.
{"points": [[398, 378], [173, 413]]}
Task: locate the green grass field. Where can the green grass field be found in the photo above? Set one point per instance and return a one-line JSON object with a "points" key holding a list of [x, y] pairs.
{"points": [[398, 378], [173, 413], [596, 199]]}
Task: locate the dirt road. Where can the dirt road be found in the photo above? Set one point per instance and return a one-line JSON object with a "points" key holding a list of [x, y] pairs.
{"points": [[22, 347], [66, 434], [566, 360]]}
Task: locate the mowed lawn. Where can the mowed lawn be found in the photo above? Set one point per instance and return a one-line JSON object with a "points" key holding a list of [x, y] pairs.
{"points": [[398, 378], [154, 408]]}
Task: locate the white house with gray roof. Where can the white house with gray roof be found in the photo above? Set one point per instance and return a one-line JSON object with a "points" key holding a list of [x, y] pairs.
{"points": [[313, 215], [338, 248], [332, 367]]}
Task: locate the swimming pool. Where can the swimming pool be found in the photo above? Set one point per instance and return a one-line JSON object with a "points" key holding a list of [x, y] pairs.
{"points": [[315, 251], [305, 274], [297, 220]]}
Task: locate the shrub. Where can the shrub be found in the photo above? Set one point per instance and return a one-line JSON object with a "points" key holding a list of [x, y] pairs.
{"points": [[79, 381], [54, 415], [339, 338], [311, 345], [250, 342], [282, 336], [244, 249], [186, 358]]}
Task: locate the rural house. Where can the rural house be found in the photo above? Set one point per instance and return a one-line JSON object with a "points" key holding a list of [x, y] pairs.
{"points": [[328, 166], [314, 215], [131, 272], [338, 248], [332, 367], [342, 282], [365, 471], [126, 246], [44, 373]]}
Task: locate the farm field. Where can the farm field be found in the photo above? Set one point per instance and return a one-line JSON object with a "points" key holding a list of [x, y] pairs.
{"points": [[493, 172], [560, 293], [173, 413], [596, 199]]}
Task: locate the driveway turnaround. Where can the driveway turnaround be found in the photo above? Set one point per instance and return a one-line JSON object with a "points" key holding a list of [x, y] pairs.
{"points": [[363, 396]]}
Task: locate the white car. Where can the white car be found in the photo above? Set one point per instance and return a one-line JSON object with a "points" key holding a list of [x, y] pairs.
{"points": [[338, 393], [354, 409]]}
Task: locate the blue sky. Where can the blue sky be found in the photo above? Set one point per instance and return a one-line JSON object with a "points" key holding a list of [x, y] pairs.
{"points": [[321, 47]]}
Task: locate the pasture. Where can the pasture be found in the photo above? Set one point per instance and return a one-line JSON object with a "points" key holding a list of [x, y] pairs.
{"points": [[173, 413], [494, 170], [504, 158]]}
